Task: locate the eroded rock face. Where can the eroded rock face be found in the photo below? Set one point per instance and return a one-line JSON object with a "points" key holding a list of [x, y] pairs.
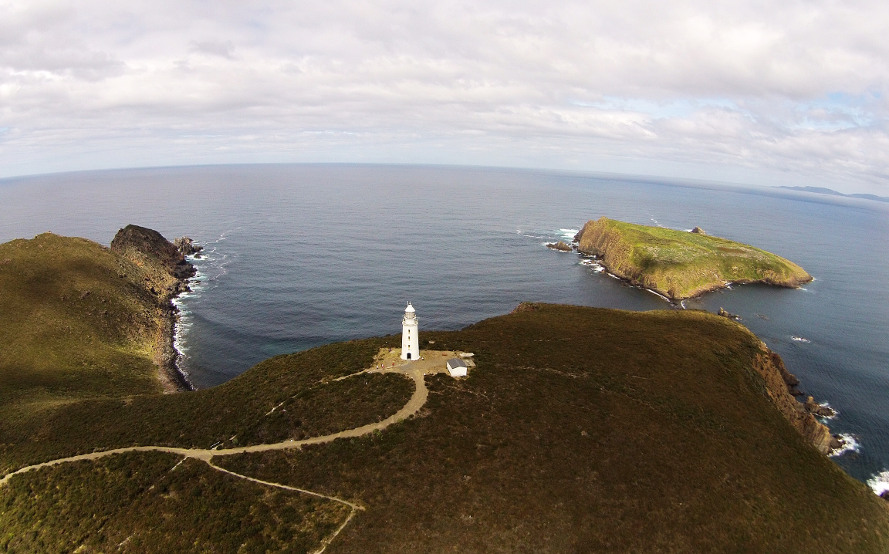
{"points": [[186, 246], [163, 271], [778, 386], [817, 409], [134, 241]]}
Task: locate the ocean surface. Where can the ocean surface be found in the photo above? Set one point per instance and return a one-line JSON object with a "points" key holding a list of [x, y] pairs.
{"points": [[301, 255]]}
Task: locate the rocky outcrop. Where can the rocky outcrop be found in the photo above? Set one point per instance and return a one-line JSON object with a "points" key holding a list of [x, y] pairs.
{"points": [[561, 246], [526, 307], [186, 246], [140, 243], [817, 409], [164, 272], [698, 231], [725, 313], [771, 367]]}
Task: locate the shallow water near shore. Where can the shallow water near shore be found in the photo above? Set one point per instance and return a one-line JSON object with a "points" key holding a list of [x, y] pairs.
{"points": [[301, 255]]}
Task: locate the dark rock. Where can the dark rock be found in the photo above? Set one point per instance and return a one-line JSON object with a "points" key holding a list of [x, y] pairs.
{"points": [[698, 231], [152, 244], [836, 442], [186, 246], [724, 313], [561, 246], [817, 409], [789, 378]]}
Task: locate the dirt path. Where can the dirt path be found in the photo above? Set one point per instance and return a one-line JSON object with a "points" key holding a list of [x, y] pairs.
{"points": [[417, 400], [325, 542]]}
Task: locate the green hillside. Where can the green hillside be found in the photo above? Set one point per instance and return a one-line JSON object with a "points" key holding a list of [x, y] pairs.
{"points": [[679, 264], [580, 429], [76, 321]]}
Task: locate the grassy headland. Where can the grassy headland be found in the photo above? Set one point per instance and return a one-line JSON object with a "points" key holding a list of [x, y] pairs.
{"points": [[76, 321], [587, 429], [679, 264], [580, 429]]}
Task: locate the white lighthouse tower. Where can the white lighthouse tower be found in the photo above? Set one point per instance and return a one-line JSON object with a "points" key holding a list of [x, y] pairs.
{"points": [[410, 341]]}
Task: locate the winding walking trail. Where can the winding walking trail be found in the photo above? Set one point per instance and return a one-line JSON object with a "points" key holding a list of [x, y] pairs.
{"points": [[413, 405]]}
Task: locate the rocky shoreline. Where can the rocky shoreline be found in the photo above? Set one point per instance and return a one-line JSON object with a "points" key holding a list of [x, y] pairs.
{"points": [[169, 356], [782, 389], [165, 275]]}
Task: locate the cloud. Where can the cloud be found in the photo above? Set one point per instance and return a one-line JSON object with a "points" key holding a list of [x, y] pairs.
{"points": [[756, 90]]}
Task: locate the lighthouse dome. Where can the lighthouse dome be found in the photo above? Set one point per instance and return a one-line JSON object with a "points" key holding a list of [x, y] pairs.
{"points": [[409, 309]]}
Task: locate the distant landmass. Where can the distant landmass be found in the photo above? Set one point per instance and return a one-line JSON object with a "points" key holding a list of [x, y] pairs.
{"points": [[578, 429], [831, 192], [681, 264]]}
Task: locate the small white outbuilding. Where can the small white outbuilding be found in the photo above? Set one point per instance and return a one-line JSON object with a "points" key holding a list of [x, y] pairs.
{"points": [[456, 367]]}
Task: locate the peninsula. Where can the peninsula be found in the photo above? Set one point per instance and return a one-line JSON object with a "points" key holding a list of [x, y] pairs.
{"points": [[680, 264], [578, 429]]}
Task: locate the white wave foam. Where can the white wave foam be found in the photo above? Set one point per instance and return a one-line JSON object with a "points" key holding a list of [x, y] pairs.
{"points": [[568, 233], [656, 293], [592, 264], [879, 483], [850, 444], [797, 338]]}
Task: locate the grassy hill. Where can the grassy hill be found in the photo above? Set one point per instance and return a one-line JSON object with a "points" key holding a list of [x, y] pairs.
{"points": [[76, 321], [580, 429], [679, 264]]}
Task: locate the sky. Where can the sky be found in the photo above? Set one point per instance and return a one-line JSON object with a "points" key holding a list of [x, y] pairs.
{"points": [[758, 92]]}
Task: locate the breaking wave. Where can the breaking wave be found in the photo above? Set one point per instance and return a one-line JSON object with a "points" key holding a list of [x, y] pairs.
{"points": [[850, 444], [879, 483]]}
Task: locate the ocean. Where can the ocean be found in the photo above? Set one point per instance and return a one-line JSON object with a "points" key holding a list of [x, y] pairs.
{"points": [[302, 255]]}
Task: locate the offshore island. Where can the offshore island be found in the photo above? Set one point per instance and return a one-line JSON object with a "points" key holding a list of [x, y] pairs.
{"points": [[679, 264], [576, 429]]}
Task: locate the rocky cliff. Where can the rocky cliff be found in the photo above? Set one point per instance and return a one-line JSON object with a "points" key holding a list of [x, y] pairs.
{"points": [[140, 244], [164, 272], [780, 384]]}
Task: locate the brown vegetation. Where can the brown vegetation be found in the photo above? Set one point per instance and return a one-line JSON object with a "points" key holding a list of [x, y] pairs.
{"points": [[592, 430]]}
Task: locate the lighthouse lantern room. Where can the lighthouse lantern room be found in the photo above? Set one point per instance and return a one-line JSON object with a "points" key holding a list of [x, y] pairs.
{"points": [[410, 341]]}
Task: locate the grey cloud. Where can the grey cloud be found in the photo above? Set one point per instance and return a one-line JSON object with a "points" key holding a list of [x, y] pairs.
{"points": [[752, 86], [223, 49]]}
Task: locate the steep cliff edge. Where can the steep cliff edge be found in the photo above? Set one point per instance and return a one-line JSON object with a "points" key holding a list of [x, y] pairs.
{"points": [[163, 269], [150, 250], [678, 264], [779, 384]]}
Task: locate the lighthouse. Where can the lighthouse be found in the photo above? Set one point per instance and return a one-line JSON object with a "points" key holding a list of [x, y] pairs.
{"points": [[410, 341]]}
